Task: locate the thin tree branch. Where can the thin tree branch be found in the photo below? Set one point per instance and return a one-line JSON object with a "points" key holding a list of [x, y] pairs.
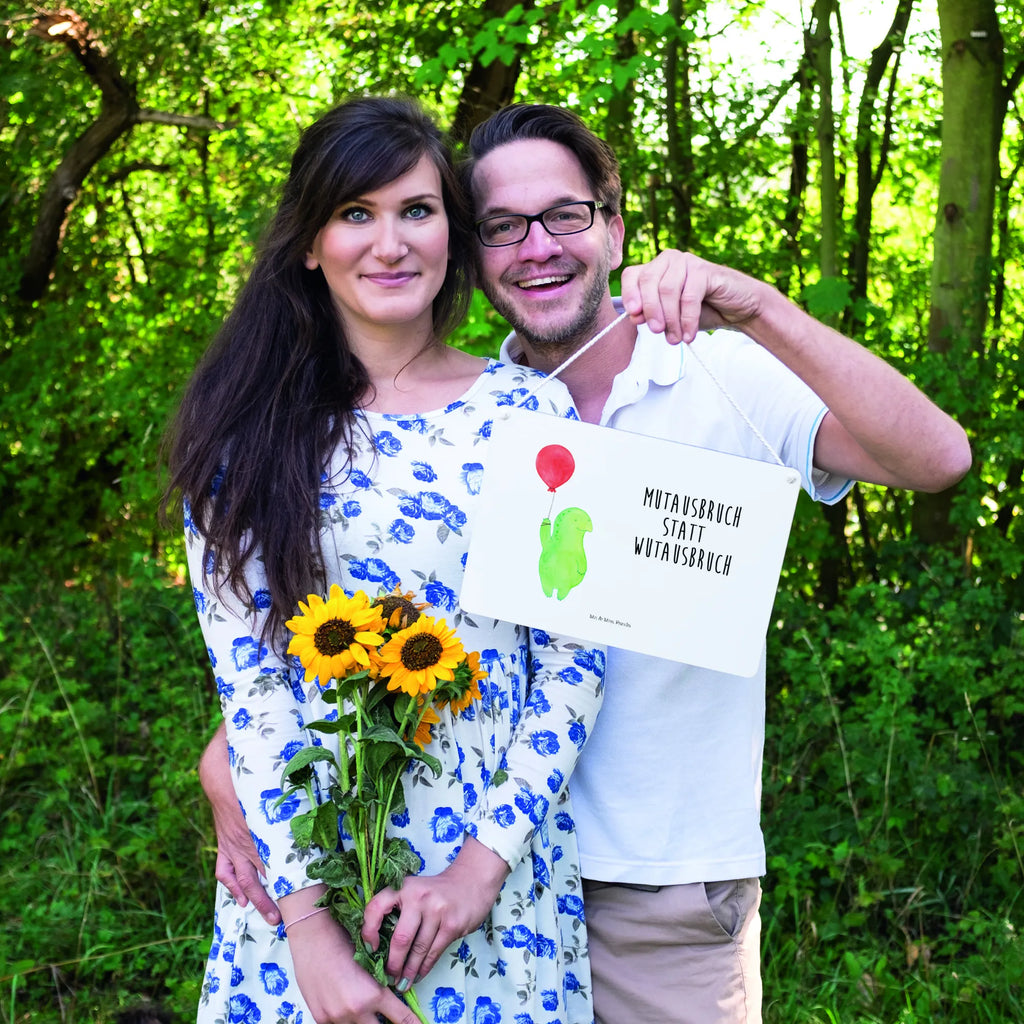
{"points": [[119, 113], [207, 124]]}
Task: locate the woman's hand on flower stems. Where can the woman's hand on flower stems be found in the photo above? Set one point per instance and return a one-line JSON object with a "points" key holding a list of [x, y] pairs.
{"points": [[336, 989], [238, 865], [435, 910]]}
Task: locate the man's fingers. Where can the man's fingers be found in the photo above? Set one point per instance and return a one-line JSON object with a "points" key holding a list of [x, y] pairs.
{"points": [[631, 300], [265, 906], [242, 880], [660, 293], [224, 872], [691, 305]]}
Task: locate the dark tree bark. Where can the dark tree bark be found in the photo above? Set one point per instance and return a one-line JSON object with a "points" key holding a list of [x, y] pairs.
{"points": [[619, 124], [679, 134], [119, 113], [884, 59], [486, 89]]}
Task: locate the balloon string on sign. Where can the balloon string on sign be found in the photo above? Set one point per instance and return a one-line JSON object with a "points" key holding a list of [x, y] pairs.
{"points": [[691, 351]]}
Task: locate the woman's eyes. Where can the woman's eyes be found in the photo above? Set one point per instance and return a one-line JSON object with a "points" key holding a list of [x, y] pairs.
{"points": [[353, 214], [360, 215], [418, 211]]}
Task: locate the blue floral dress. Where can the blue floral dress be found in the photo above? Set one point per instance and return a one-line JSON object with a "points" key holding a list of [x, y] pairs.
{"points": [[402, 516]]}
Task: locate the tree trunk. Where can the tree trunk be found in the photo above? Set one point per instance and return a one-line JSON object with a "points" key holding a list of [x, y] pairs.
{"points": [[619, 123], [819, 52], [486, 89], [118, 109], [119, 113], [679, 133], [869, 172], [834, 564], [973, 107]]}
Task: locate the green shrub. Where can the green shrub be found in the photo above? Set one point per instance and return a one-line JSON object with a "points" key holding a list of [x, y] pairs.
{"points": [[105, 841]]}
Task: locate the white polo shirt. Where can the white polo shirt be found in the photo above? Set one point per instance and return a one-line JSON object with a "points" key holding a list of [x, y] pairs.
{"points": [[668, 788]]}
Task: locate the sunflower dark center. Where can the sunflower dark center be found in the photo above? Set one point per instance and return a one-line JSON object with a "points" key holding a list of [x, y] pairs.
{"points": [[391, 603], [421, 651], [334, 636]]}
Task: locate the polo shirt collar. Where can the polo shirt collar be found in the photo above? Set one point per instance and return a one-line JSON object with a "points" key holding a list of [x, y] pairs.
{"points": [[653, 359]]}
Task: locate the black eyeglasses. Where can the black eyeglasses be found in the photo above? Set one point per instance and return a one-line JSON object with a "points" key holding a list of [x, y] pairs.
{"points": [[563, 219]]}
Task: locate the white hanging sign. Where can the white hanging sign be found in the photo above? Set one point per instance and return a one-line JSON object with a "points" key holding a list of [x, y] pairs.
{"points": [[630, 541]]}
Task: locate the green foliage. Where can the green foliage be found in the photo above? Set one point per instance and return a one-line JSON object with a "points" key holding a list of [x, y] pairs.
{"points": [[104, 836], [893, 813]]}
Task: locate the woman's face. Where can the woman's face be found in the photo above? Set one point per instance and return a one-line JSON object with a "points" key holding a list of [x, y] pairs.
{"points": [[384, 255]]}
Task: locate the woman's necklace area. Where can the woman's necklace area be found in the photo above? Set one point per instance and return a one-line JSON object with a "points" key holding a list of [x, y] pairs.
{"points": [[419, 387]]}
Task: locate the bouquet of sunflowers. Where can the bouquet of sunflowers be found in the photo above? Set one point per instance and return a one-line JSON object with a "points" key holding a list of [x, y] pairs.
{"points": [[389, 668]]}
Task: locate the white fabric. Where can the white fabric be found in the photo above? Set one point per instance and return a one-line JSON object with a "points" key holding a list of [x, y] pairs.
{"points": [[668, 790]]}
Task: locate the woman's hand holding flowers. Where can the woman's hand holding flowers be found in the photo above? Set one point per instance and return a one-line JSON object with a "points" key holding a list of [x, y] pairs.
{"points": [[345, 994], [435, 910]]}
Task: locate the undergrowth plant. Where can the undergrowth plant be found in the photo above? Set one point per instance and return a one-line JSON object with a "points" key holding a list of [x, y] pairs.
{"points": [[105, 843], [893, 802]]}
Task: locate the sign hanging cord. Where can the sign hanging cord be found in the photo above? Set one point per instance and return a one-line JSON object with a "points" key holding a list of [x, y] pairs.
{"points": [[690, 350]]}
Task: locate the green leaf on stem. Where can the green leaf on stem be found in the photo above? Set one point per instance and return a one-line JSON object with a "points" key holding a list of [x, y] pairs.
{"points": [[339, 869], [397, 862], [302, 828], [325, 827], [297, 771]]}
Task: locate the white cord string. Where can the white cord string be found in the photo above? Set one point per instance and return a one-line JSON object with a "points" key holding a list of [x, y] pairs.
{"points": [[721, 387], [572, 359], [690, 350]]}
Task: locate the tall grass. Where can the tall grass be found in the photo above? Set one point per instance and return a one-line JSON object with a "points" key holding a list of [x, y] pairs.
{"points": [[106, 861]]}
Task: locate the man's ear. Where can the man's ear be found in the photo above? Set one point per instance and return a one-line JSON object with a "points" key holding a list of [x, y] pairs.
{"points": [[616, 236]]}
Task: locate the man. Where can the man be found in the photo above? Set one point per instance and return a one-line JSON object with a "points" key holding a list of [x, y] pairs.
{"points": [[671, 850]]}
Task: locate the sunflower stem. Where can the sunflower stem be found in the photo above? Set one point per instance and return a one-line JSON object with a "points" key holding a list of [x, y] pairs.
{"points": [[414, 1004], [360, 834]]}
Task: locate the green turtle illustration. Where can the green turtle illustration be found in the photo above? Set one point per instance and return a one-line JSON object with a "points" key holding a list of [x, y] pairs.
{"points": [[563, 562]]}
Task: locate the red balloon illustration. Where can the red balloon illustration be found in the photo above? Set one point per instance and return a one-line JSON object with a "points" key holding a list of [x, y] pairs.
{"points": [[555, 465]]}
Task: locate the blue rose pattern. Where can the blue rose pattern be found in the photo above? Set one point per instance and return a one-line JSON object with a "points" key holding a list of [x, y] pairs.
{"points": [[402, 517]]}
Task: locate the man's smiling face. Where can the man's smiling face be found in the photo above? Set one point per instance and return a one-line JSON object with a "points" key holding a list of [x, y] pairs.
{"points": [[552, 289]]}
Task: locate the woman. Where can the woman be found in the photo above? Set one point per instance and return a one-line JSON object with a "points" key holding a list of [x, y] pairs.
{"points": [[330, 436]]}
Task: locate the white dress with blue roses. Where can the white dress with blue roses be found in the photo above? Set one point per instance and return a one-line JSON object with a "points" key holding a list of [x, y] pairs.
{"points": [[402, 516]]}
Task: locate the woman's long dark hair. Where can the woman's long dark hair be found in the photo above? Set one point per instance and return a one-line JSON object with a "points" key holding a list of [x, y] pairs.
{"points": [[275, 394]]}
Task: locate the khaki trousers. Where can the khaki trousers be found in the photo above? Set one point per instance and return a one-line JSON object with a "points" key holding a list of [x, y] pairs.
{"points": [[675, 954]]}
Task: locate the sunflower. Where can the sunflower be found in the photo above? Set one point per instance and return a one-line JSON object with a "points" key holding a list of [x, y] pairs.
{"points": [[418, 656], [331, 637], [472, 691], [423, 732], [399, 610]]}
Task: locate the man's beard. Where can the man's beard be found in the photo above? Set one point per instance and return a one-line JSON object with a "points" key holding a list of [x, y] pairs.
{"points": [[564, 338]]}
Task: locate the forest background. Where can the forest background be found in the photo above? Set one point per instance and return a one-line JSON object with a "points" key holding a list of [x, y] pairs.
{"points": [[865, 157]]}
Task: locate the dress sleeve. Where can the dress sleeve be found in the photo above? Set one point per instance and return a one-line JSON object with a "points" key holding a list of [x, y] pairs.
{"points": [[566, 684], [264, 707]]}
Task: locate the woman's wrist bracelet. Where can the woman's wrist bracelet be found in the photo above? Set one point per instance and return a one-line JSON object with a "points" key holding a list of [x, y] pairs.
{"points": [[304, 917]]}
